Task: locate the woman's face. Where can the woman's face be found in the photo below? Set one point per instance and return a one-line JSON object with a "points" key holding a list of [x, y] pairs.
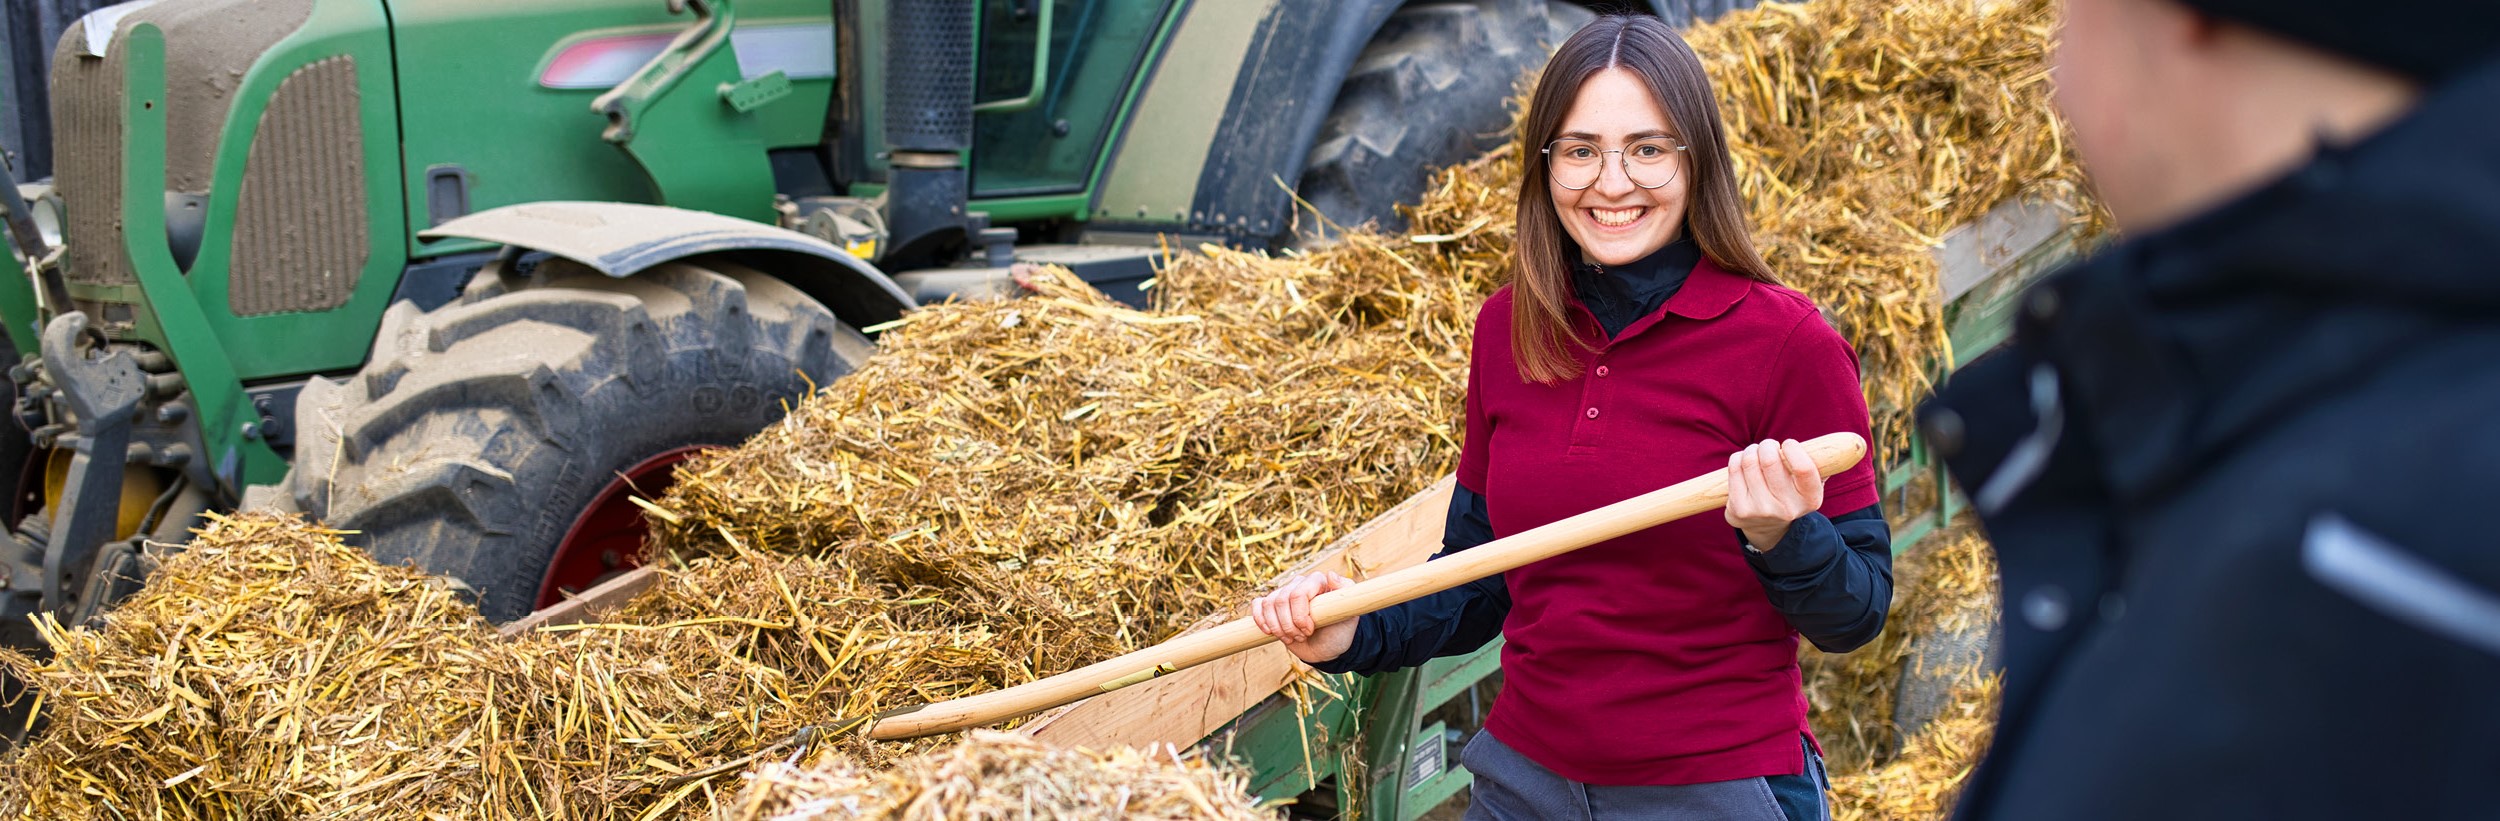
{"points": [[1615, 220]]}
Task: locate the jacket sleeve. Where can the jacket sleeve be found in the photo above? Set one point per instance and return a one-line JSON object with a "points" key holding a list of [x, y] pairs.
{"points": [[1831, 577], [1451, 622]]}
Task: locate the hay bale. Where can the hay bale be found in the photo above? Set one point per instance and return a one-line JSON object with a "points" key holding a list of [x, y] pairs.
{"points": [[993, 776]]}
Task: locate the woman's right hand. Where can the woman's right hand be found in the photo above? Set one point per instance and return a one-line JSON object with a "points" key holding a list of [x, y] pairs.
{"points": [[1286, 614]]}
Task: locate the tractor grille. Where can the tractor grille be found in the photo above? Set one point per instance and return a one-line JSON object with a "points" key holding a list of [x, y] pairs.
{"points": [[87, 136], [208, 43], [300, 238], [928, 69]]}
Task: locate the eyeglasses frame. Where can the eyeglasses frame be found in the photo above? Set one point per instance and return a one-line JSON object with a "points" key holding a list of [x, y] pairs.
{"points": [[1620, 160]]}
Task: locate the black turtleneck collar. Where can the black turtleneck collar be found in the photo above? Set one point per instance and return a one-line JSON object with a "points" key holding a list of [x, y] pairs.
{"points": [[1619, 295]]}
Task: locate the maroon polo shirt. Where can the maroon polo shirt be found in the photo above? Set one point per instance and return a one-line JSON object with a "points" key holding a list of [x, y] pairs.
{"points": [[1654, 658]]}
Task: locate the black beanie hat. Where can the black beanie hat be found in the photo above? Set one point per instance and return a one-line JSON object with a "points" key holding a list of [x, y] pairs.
{"points": [[2428, 40]]}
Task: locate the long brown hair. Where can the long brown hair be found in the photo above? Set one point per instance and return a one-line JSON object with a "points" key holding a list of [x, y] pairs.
{"points": [[1541, 335]]}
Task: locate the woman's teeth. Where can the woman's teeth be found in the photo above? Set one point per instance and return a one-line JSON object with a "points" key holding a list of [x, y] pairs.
{"points": [[1616, 218]]}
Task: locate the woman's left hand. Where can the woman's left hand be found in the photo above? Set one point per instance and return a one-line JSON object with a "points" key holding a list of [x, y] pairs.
{"points": [[1770, 484]]}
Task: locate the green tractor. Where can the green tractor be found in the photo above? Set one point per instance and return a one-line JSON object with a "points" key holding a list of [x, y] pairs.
{"points": [[464, 277]]}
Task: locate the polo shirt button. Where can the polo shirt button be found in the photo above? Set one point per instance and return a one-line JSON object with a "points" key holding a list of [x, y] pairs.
{"points": [[1601, 370], [2044, 608], [1592, 413]]}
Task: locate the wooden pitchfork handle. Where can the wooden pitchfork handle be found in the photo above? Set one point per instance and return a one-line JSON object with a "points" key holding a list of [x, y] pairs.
{"points": [[1832, 454]]}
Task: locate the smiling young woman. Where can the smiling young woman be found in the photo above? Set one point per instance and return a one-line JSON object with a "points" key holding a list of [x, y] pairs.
{"points": [[1641, 341], [1634, 78]]}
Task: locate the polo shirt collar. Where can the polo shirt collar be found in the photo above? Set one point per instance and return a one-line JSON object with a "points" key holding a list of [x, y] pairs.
{"points": [[1709, 292], [1618, 295]]}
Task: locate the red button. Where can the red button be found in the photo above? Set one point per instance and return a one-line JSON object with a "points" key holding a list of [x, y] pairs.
{"points": [[1592, 413], [1601, 370]]}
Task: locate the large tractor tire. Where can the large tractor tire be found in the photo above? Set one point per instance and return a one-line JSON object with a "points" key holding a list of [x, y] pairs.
{"points": [[1432, 89], [499, 439]]}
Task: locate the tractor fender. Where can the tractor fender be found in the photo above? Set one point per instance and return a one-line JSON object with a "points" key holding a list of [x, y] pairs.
{"points": [[621, 239]]}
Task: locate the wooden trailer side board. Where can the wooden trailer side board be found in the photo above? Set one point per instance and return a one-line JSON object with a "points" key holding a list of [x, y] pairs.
{"points": [[591, 604], [1192, 704]]}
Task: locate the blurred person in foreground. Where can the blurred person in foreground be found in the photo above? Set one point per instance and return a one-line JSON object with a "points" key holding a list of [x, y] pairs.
{"points": [[2236, 465]]}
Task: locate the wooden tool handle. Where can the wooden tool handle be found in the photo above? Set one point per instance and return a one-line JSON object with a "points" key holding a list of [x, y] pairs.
{"points": [[1832, 454]]}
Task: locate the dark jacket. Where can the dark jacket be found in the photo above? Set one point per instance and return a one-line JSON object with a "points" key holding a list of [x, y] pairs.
{"points": [[2240, 475]]}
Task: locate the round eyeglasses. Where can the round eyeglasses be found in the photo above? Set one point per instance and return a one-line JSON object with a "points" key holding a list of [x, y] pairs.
{"points": [[1650, 162]]}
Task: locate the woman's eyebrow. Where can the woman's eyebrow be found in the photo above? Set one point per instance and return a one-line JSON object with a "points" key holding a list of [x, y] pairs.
{"points": [[1633, 137]]}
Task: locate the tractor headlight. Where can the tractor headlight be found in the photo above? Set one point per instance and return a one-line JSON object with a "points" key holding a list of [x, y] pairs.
{"points": [[45, 208]]}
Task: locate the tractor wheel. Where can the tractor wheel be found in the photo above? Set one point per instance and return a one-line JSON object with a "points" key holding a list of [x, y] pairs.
{"points": [[500, 439], [1432, 89]]}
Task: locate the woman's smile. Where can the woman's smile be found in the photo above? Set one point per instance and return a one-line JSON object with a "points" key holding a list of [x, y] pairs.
{"points": [[1618, 218]]}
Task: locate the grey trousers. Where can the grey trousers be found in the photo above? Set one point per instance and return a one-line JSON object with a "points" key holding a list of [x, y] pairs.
{"points": [[1510, 787]]}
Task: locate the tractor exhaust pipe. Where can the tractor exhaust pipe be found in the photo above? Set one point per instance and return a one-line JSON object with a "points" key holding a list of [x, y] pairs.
{"points": [[928, 127]]}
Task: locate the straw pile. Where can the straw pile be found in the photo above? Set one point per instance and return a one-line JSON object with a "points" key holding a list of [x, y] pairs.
{"points": [[272, 671], [268, 672], [1082, 479], [1946, 585], [996, 777], [1924, 780], [1008, 490], [1862, 131]]}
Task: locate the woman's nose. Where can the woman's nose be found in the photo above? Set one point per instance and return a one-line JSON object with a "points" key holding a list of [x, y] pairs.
{"points": [[1613, 180]]}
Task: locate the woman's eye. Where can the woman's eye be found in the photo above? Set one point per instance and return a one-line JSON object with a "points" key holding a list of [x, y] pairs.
{"points": [[1647, 152], [1580, 152]]}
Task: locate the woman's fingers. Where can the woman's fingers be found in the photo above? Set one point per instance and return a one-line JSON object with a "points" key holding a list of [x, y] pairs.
{"points": [[1276, 616], [1300, 605], [1273, 615], [1764, 501], [1739, 503], [1286, 612], [1801, 470], [1776, 478]]}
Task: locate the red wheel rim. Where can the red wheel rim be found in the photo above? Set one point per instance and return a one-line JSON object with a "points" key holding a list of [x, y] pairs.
{"points": [[608, 537]]}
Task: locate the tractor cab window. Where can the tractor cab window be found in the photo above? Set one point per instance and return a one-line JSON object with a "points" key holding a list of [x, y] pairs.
{"points": [[1051, 80]]}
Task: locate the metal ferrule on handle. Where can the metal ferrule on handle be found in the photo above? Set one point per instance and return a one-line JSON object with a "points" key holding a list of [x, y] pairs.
{"points": [[1832, 454]]}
